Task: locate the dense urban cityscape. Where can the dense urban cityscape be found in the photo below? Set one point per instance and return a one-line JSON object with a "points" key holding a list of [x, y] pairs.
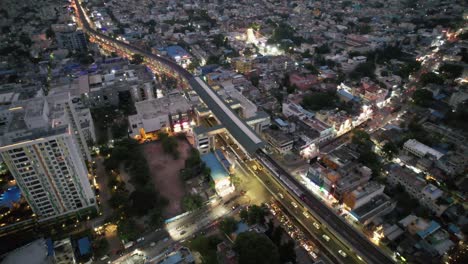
{"points": [[249, 131]]}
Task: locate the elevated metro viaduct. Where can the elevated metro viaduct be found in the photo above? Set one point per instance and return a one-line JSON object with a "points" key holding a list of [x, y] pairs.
{"points": [[246, 138]]}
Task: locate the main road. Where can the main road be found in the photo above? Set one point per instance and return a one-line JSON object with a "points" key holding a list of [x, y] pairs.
{"points": [[352, 237], [349, 235]]}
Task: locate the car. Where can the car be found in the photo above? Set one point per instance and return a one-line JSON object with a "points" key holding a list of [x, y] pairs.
{"points": [[152, 244], [327, 238], [342, 253], [306, 214], [294, 204], [281, 195], [316, 225]]}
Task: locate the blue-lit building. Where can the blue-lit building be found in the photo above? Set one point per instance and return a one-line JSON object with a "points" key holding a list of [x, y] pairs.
{"points": [[179, 55], [219, 172]]}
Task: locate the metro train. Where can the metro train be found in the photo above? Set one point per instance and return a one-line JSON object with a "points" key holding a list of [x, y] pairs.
{"points": [[293, 187]]}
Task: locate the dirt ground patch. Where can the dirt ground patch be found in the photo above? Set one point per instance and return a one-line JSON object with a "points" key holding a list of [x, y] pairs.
{"points": [[165, 173]]}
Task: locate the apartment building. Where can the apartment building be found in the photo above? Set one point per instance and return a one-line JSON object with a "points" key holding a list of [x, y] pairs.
{"points": [[45, 158]]}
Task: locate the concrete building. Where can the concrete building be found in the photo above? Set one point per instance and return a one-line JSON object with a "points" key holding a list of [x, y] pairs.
{"points": [[412, 183], [420, 150], [219, 172], [42, 251], [378, 206], [69, 37], [427, 194], [303, 82], [44, 157], [179, 55], [363, 195], [169, 113], [430, 196], [279, 140]]}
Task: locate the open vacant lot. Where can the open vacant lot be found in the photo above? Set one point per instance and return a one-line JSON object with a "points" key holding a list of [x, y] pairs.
{"points": [[165, 173]]}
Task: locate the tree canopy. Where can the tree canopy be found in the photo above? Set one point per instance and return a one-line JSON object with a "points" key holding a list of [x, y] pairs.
{"points": [[422, 97], [254, 248], [192, 202], [253, 215], [137, 58], [365, 69], [431, 77], [320, 100], [228, 225]]}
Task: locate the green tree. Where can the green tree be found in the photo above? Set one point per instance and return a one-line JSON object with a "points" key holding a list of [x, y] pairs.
{"points": [[137, 58], [127, 230], [277, 235], [213, 60], [144, 200], [255, 80], [194, 63], [206, 246], [364, 29], [50, 34], [119, 130], [431, 77], [100, 247], [254, 215], [324, 49], [192, 202], [422, 97], [254, 248], [451, 71], [25, 39], [390, 150], [409, 68], [311, 68], [228, 225], [119, 199], [287, 252], [306, 54], [319, 100], [219, 40], [291, 89], [156, 219], [366, 69]]}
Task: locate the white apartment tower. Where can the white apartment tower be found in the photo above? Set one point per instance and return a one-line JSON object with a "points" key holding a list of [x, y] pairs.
{"points": [[44, 156]]}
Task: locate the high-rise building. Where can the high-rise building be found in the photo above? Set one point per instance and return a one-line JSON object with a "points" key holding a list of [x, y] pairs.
{"points": [[41, 148], [69, 37]]}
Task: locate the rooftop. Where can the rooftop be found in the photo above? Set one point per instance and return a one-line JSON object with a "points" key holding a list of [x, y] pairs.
{"points": [[218, 172], [177, 51], [35, 252], [421, 148], [242, 133], [170, 104]]}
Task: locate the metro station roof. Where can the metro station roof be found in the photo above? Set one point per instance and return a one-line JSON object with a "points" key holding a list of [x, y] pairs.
{"points": [[238, 129]]}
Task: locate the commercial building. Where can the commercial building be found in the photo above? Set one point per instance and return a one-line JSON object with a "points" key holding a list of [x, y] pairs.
{"points": [[42, 251], [378, 206], [279, 140], [169, 113], [219, 172], [69, 37], [43, 147], [420, 150], [179, 55], [363, 195]]}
